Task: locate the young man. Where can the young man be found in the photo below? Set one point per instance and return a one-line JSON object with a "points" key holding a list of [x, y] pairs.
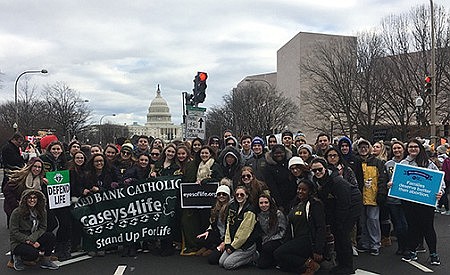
{"points": [[142, 146], [258, 160], [374, 193], [322, 144], [287, 138], [246, 144], [11, 155]]}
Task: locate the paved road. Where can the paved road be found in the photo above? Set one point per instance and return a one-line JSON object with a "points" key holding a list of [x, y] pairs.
{"points": [[386, 263]]}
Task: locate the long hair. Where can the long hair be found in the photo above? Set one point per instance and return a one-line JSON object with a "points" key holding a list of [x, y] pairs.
{"points": [[219, 211], [182, 165], [73, 166], [273, 218], [18, 177], [23, 207], [383, 154], [421, 159], [254, 187]]}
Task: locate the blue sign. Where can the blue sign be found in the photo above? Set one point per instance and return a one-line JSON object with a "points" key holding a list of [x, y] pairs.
{"points": [[416, 184]]}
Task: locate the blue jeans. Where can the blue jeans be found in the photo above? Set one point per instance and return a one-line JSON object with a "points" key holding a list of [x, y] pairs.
{"points": [[370, 227]]}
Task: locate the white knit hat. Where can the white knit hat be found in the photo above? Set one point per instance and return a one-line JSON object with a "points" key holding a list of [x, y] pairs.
{"points": [[223, 189]]}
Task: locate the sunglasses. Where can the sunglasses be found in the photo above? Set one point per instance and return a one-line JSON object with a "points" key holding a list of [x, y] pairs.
{"points": [[231, 144], [240, 194], [154, 154], [221, 194], [126, 153], [332, 155], [248, 176], [317, 170], [32, 198]]}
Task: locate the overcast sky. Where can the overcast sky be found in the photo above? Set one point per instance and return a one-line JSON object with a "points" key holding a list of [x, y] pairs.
{"points": [[115, 53]]}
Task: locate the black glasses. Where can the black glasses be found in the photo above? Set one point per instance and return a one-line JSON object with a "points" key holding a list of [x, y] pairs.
{"points": [[248, 176], [221, 194], [126, 153], [154, 154], [413, 146], [332, 155], [317, 170], [240, 194]]}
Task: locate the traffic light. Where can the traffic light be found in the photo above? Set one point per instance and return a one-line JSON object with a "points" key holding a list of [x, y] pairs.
{"points": [[200, 87], [428, 85], [188, 99]]}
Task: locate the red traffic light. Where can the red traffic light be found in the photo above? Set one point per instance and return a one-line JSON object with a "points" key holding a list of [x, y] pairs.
{"points": [[428, 79], [202, 76]]}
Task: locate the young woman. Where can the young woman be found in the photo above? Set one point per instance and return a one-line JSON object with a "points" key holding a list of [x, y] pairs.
{"points": [[139, 171], [77, 168], [166, 165], [100, 177], [157, 143], [420, 217], [155, 154], [208, 169], [343, 206], [273, 225], [253, 185], [96, 149], [379, 150], [303, 252], [28, 233], [305, 151], [125, 159], [54, 160], [29, 177], [395, 205], [215, 234], [111, 152], [335, 159], [240, 235]]}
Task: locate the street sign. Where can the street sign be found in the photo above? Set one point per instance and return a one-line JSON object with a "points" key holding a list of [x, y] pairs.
{"points": [[195, 126]]}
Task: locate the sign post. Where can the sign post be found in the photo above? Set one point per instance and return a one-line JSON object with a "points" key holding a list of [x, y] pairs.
{"points": [[195, 122]]}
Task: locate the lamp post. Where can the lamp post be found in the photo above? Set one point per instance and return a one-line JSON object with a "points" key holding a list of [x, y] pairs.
{"points": [[433, 77], [16, 105], [259, 79], [332, 119], [100, 126]]}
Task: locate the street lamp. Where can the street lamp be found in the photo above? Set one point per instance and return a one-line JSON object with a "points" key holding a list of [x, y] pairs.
{"points": [[16, 105], [259, 79], [332, 119], [433, 77], [100, 125]]}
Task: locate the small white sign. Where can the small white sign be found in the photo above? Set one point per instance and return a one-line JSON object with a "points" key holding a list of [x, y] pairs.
{"points": [[195, 126]]}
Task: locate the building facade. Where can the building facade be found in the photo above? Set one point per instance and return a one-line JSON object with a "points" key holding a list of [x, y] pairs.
{"points": [[159, 121]]}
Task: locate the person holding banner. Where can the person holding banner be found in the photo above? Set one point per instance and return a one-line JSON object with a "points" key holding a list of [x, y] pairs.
{"points": [[240, 234], [55, 160], [420, 217], [28, 233], [166, 165]]}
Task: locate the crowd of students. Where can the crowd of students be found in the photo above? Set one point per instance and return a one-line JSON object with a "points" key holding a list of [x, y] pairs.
{"points": [[276, 205]]}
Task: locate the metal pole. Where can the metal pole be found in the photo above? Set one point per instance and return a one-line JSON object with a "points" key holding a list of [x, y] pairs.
{"points": [[16, 105], [433, 77]]}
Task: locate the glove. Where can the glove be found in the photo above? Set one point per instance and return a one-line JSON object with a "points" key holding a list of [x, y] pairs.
{"points": [[114, 185]]}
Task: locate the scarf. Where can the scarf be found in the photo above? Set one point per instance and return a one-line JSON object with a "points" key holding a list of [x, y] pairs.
{"points": [[204, 170], [34, 220], [32, 182]]}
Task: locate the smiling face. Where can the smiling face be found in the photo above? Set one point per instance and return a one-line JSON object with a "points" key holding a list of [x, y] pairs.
{"points": [[398, 151], [182, 154], [246, 177], [110, 153], [323, 142], [155, 154], [303, 191], [143, 144], [413, 149], [240, 196], [279, 154], [304, 154], [143, 161], [264, 204], [222, 197], [376, 149], [99, 163], [79, 159], [74, 148], [32, 200], [36, 169], [318, 170], [205, 155], [196, 146], [257, 149], [170, 153], [56, 150], [287, 141], [96, 150], [246, 144]]}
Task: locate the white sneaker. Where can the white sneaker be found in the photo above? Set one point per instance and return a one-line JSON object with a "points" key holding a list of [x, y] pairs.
{"points": [[446, 213], [355, 251]]}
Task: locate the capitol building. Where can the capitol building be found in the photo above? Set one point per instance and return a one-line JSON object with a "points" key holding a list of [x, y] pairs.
{"points": [[159, 122]]}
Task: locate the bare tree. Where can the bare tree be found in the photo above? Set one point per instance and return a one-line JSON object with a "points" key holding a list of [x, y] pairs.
{"points": [[251, 109], [65, 109]]}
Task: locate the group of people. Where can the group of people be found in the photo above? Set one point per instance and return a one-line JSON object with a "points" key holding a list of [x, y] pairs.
{"points": [[277, 203]]}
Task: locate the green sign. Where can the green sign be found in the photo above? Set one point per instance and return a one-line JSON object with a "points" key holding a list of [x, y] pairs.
{"points": [[58, 189], [138, 212]]}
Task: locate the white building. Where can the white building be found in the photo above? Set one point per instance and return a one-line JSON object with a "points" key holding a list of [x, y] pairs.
{"points": [[159, 121]]}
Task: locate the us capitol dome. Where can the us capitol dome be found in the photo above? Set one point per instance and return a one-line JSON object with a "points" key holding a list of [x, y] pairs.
{"points": [[159, 121]]}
